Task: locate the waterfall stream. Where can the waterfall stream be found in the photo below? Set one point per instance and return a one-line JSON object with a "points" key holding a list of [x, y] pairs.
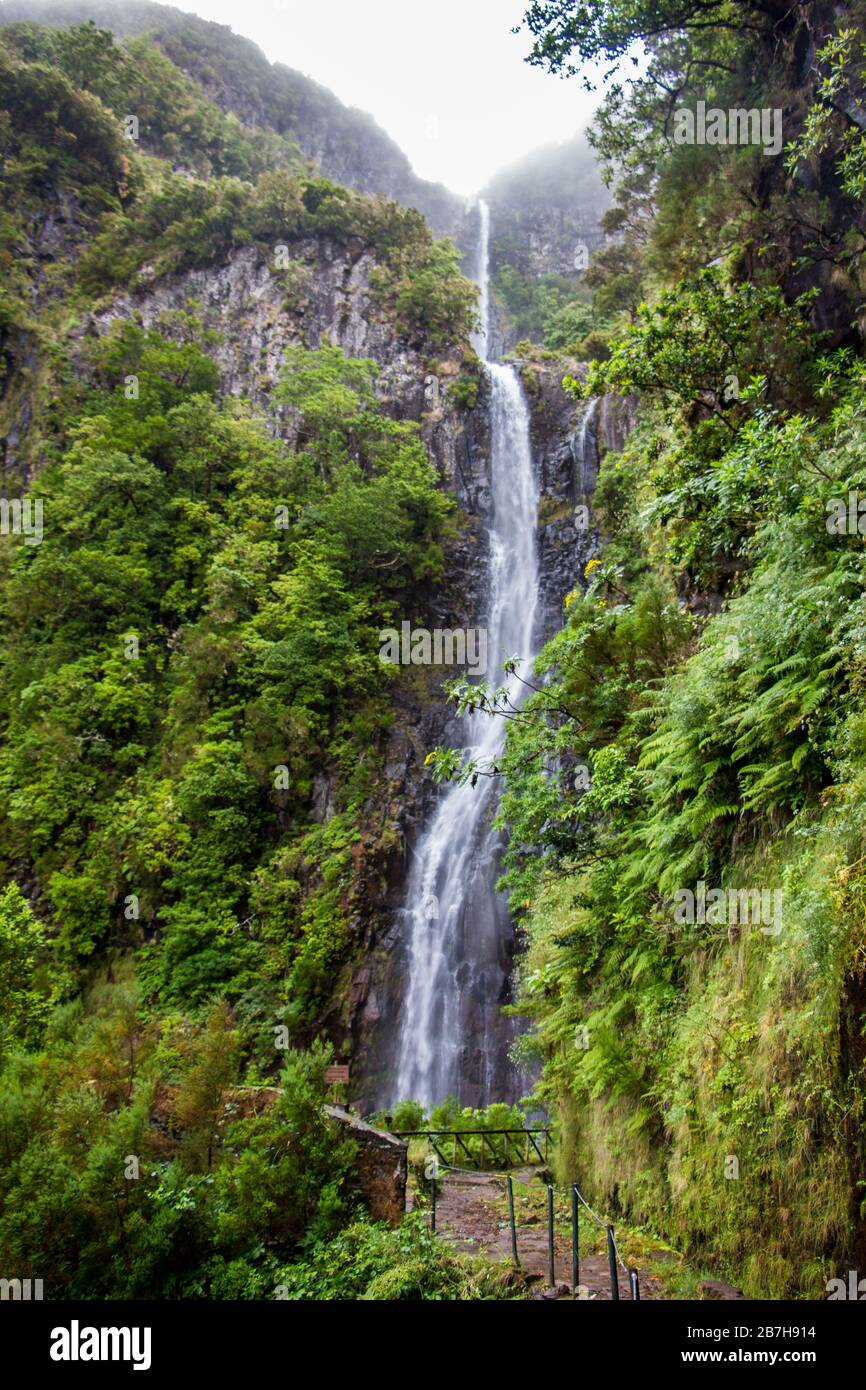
{"points": [[454, 1039]]}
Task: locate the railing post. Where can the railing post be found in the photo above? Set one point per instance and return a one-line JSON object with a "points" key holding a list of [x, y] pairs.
{"points": [[575, 1254], [511, 1219], [611, 1259], [635, 1286], [551, 1263]]}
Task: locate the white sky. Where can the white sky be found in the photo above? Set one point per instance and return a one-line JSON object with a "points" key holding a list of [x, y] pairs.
{"points": [[446, 79]]}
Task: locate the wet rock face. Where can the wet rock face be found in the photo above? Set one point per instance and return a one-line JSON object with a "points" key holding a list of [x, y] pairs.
{"points": [[565, 449], [544, 240], [569, 439]]}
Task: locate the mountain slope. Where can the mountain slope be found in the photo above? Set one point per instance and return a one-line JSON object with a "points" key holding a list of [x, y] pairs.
{"points": [[346, 144]]}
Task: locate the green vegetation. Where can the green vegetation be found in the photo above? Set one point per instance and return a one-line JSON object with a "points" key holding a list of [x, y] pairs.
{"points": [[708, 1077], [193, 641], [201, 615], [370, 1262], [552, 310], [190, 656]]}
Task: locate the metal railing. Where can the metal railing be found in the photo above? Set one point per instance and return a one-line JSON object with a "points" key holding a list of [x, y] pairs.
{"points": [[521, 1139]]}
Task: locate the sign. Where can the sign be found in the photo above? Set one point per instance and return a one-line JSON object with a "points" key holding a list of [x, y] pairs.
{"points": [[335, 1076]]}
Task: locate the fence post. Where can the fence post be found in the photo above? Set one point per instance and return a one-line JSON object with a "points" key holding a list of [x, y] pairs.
{"points": [[551, 1264], [575, 1254], [433, 1201], [511, 1219], [611, 1259], [635, 1286]]}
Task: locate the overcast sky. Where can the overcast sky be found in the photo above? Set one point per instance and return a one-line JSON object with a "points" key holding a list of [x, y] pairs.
{"points": [[446, 80]]}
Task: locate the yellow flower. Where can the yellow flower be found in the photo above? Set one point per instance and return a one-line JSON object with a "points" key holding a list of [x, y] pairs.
{"points": [[590, 567], [569, 598]]}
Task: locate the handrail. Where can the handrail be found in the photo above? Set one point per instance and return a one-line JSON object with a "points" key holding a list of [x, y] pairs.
{"points": [[420, 1133], [577, 1198], [536, 1135]]}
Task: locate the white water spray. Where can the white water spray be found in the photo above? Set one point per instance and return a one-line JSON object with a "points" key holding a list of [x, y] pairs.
{"points": [[453, 1038]]}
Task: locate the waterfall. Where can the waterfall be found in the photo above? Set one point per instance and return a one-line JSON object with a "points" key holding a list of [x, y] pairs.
{"points": [[459, 935]]}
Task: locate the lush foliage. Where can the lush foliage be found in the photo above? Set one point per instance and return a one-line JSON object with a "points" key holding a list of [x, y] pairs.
{"points": [[370, 1262], [194, 637], [134, 1167], [193, 713], [698, 720]]}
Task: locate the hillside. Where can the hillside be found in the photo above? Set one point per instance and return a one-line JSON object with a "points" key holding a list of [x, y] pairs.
{"points": [[234, 504], [233, 73], [695, 909]]}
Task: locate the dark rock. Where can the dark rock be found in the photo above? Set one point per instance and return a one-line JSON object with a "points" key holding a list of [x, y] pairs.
{"points": [[716, 1289]]}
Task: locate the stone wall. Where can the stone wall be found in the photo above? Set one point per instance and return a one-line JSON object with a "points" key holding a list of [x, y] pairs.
{"points": [[381, 1166]]}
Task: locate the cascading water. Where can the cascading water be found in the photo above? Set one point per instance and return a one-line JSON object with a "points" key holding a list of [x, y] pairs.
{"points": [[454, 1039]]}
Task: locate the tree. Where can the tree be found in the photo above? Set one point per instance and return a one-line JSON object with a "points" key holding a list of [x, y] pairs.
{"points": [[608, 29], [25, 1005], [199, 1102]]}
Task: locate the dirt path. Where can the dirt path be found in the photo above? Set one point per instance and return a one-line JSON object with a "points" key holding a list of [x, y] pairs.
{"points": [[471, 1212]]}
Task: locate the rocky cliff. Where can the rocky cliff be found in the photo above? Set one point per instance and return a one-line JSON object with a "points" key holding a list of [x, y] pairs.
{"points": [[546, 208], [546, 213]]}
